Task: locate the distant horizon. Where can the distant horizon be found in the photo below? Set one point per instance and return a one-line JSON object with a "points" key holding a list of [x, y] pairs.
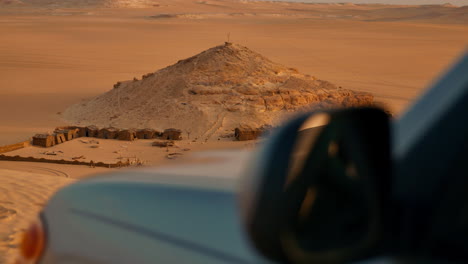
{"points": [[388, 2]]}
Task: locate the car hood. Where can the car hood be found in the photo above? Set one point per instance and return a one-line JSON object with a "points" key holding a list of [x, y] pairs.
{"points": [[183, 214]]}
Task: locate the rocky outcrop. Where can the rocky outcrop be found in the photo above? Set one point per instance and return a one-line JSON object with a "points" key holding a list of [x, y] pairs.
{"points": [[213, 92]]}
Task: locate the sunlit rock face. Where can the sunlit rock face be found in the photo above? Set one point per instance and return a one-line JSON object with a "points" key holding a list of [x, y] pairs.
{"points": [[214, 92]]}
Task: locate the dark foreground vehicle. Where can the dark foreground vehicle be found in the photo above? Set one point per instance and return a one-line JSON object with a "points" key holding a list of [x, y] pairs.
{"points": [[345, 186]]}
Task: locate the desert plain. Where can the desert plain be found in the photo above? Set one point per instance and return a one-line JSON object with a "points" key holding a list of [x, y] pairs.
{"points": [[54, 54]]}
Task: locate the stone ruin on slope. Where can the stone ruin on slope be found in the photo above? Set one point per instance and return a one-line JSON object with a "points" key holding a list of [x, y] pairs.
{"points": [[63, 134]]}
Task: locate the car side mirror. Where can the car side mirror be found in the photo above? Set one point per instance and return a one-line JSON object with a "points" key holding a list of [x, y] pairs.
{"points": [[316, 191]]}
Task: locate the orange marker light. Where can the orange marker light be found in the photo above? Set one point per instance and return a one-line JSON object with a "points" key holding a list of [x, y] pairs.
{"points": [[33, 243]]}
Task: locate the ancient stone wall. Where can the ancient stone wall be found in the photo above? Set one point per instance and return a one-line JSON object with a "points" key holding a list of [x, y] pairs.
{"points": [[66, 133], [16, 146], [75, 162]]}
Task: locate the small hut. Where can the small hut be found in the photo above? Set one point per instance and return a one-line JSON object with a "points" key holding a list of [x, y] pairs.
{"points": [[146, 133], [108, 133], [245, 132], [172, 134], [44, 140], [157, 134], [127, 134], [92, 131], [76, 132], [81, 132], [68, 132], [59, 138]]}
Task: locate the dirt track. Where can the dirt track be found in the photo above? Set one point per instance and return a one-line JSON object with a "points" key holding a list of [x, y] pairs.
{"points": [[56, 170]]}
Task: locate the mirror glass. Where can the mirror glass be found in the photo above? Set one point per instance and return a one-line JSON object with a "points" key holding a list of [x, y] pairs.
{"points": [[315, 191], [330, 198]]}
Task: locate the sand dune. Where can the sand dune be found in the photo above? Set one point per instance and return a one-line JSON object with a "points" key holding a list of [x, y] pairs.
{"points": [[187, 9], [25, 187], [23, 115], [82, 55], [82, 3], [11, 2], [110, 151], [22, 195], [385, 13], [61, 53]]}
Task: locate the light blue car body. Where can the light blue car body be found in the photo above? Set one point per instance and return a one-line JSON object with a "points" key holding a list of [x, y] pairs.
{"points": [[185, 214]]}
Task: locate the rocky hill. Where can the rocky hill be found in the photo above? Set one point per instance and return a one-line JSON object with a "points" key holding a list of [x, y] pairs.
{"points": [[212, 93]]}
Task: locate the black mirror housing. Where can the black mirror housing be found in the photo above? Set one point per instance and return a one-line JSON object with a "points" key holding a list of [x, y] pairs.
{"points": [[317, 191]]}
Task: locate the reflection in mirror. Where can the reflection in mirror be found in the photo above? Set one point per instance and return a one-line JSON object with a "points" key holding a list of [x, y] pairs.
{"points": [[305, 139], [314, 192], [330, 199]]}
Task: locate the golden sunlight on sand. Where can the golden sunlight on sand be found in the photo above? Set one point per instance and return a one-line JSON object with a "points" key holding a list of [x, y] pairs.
{"points": [[54, 54], [22, 195]]}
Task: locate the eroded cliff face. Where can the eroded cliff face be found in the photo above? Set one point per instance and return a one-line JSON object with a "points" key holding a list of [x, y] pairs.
{"points": [[213, 92]]}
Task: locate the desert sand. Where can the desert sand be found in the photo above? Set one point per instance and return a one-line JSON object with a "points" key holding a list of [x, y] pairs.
{"points": [[78, 53], [26, 186], [57, 53], [111, 151], [22, 195]]}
